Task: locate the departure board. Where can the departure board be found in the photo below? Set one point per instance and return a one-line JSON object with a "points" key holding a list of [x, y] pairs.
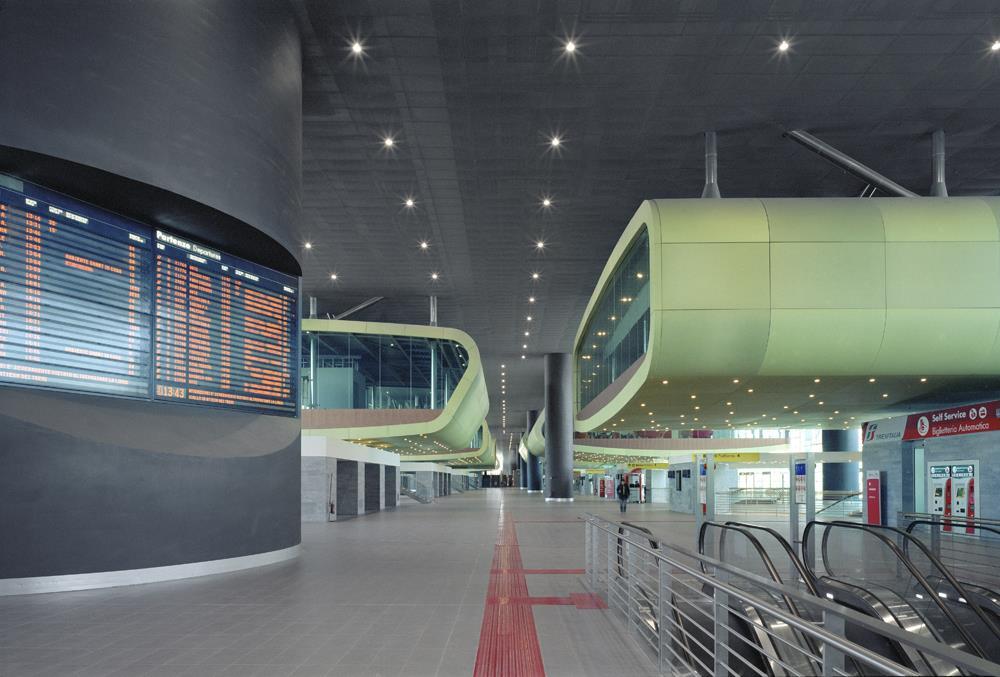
{"points": [[92, 301], [75, 296], [226, 330]]}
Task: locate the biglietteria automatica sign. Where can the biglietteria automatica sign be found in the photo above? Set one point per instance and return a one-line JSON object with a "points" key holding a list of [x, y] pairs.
{"points": [[964, 420]]}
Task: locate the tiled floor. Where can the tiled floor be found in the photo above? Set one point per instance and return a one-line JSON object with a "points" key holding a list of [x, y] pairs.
{"points": [[396, 593]]}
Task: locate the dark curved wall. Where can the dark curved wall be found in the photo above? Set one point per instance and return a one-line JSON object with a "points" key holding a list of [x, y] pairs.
{"points": [[202, 99]]}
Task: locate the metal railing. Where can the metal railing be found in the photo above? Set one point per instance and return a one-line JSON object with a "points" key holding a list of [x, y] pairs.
{"points": [[697, 615], [749, 502]]}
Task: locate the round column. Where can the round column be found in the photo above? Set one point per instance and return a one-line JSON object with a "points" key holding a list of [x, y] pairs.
{"points": [[522, 472], [559, 426], [534, 469], [840, 476]]}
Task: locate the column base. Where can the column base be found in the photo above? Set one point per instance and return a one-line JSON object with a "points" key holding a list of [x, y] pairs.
{"points": [[558, 500]]}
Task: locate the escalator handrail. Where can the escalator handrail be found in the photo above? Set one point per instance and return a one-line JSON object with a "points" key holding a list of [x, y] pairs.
{"points": [[783, 542], [905, 561], [654, 543], [966, 521], [947, 575], [772, 570]]}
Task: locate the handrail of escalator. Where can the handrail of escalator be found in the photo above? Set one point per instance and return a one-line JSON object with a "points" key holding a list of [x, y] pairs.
{"points": [[904, 560], [974, 522], [946, 573], [772, 570], [838, 501], [783, 542], [654, 543]]}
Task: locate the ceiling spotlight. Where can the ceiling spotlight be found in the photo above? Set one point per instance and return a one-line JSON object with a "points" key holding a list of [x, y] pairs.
{"points": [[357, 48], [309, 245], [525, 346], [531, 299], [535, 276], [570, 46], [529, 320], [524, 357], [815, 380], [871, 380], [434, 276], [527, 333], [540, 245], [424, 244], [995, 47], [388, 142], [333, 276], [783, 46], [555, 141], [923, 380], [409, 203], [664, 381]]}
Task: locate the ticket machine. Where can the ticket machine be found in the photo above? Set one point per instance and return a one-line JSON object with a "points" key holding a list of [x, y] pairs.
{"points": [[952, 491]]}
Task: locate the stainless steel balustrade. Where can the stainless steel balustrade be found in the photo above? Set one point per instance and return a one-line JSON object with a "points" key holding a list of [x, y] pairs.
{"points": [[696, 623]]}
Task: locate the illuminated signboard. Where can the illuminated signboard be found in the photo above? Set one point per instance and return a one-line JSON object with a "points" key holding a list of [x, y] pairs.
{"points": [[91, 301], [225, 329], [75, 297]]}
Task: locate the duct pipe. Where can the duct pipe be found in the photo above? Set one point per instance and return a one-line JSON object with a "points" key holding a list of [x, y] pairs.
{"points": [[711, 188], [434, 311], [848, 163], [938, 186]]}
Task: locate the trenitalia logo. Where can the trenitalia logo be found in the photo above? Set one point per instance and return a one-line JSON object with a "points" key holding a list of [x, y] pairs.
{"points": [[964, 420]]}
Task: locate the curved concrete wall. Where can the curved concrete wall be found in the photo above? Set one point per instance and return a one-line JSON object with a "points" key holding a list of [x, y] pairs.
{"points": [[202, 100]]}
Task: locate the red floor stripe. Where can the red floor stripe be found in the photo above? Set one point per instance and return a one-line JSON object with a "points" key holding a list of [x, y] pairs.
{"points": [[539, 571], [508, 641]]}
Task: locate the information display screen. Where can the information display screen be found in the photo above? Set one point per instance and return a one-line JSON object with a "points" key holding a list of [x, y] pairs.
{"points": [[74, 298], [91, 301], [225, 328]]}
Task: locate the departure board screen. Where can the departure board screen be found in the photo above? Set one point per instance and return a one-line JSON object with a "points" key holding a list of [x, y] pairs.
{"points": [[95, 302], [75, 296], [225, 329]]}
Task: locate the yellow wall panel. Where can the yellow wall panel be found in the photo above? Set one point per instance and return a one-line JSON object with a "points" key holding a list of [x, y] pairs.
{"points": [[825, 220], [715, 275], [828, 275], [835, 341], [943, 274], [695, 220]]}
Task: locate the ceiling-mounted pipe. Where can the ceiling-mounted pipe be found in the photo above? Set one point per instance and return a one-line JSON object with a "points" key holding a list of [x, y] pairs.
{"points": [[848, 163], [711, 188], [938, 186], [312, 307], [434, 311], [361, 306]]}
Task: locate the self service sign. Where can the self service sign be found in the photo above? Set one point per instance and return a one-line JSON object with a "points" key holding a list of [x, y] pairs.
{"points": [[964, 420]]}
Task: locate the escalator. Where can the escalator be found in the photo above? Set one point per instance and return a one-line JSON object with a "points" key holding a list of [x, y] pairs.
{"points": [[970, 556], [866, 569], [759, 644]]}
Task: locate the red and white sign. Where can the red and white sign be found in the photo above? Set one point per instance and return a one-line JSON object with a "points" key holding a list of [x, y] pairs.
{"points": [[965, 420], [873, 496]]}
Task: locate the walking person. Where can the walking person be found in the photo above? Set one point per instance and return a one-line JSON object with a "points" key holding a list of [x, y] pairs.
{"points": [[623, 493]]}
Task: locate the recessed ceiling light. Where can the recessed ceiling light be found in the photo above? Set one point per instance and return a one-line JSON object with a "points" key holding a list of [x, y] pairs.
{"points": [[388, 142], [547, 201], [923, 380], [995, 47], [309, 245], [333, 276], [749, 390], [885, 394], [783, 46], [424, 244], [434, 276], [528, 318], [815, 380], [409, 202], [525, 346], [527, 333], [535, 276], [664, 381], [524, 357], [540, 244], [357, 48], [531, 299], [569, 46], [555, 141], [871, 380]]}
